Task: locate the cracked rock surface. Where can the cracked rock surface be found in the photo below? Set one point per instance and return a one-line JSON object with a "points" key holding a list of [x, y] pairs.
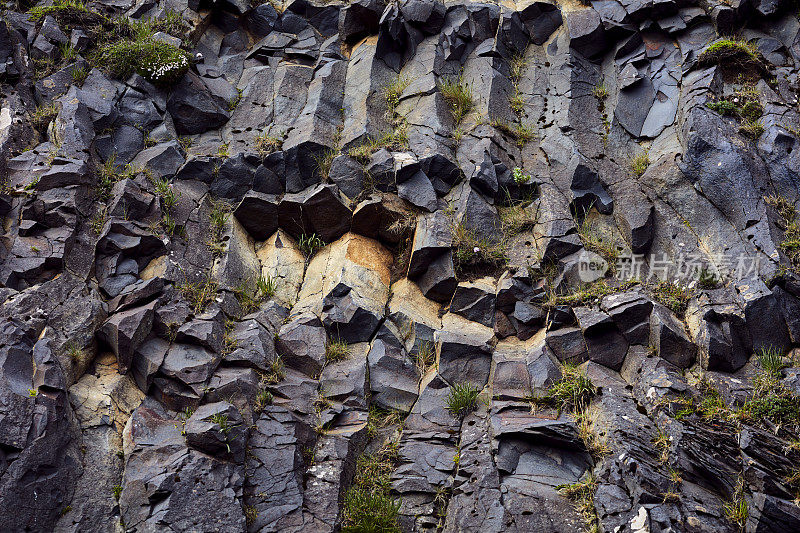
{"points": [[411, 266]]}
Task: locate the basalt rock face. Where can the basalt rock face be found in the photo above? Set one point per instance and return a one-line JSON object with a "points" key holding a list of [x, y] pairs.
{"points": [[218, 296]]}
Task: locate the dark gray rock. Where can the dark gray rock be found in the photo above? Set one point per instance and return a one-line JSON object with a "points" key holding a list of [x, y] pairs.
{"points": [[218, 430], [125, 331], [193, 108], [669, 339], [301, 343], [258, 214], [474, 301], [438, 282]]}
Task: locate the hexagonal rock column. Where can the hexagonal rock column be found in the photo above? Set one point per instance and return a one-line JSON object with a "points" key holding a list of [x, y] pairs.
{"points": [[347, 286]]}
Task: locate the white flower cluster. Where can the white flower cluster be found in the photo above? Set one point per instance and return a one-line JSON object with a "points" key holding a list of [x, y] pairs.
{"points": [[156, 70]]}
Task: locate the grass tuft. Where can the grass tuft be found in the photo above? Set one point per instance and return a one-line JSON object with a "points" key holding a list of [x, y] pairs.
{"points": [[639, 164], [736, 510], [459, 96], [671, 295], [574, 390], [199, 294], [266, 144], [462, 399], [368, 505], [156, 61], [582, 494], [310, 244], [336, 350]]}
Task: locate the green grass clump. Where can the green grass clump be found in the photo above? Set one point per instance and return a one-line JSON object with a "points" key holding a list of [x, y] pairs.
{"points": [[582, 495], [336, 350], [736, 510], [639, 164], [393, 92], [521, 132], [310, 244], [772, 401], [771, 360], [250, 295], [600, 92], [723, 107], [727, 48], [574, 390], [43, 116], [157, 62], [672, 296], [368, 505], [472, 253], [461, 399], [199, 294], [752, 129], [58, 9], [790, 244], [460, 98], [109, 173], [594, 241], [266, 144]]}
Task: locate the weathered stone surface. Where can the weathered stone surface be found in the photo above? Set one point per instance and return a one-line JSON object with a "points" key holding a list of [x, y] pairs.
{"points": [[179, 263]]}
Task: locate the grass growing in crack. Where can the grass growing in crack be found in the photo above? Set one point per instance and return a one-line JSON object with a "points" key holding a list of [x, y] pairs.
{"points": [[594, 242], [368, 505], [462, 398], [600, 92], [156, 61], [425, 357], [707, 279], [672, 296], [744, 105], [275, 373], [229, 342], [310, 244], [771, 360], [587, 431], [266, 144], [250, 295], [521, 132], [639, 164], [43, 116], [393, 93], [460, 99], [726, 48], [573, 391], [220, 211], [790, 244], [250, 514], [164, 190], [381, 418], [263, 399], [336, 350], [772, 403], [397, 137], [661, 442], [471, 252], [199, 294], [589, 293], [736, 510], [99, 219], [74, 352], [109, 173], [323, 162], [582, 495]]}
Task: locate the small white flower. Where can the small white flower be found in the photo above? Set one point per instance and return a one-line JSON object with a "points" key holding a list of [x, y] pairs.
{"points": [[476, 250], [735, 100]]}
